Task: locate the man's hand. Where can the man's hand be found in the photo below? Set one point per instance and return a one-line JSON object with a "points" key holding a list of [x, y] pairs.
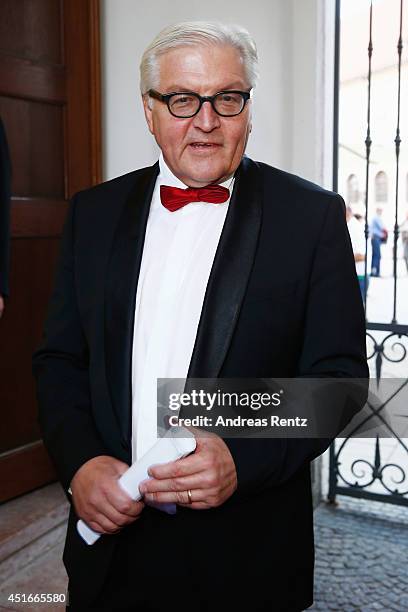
{"points": [[209, 473], [98, 498], [2, 305]]}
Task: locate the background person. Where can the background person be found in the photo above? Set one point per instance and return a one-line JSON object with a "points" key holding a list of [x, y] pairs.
{"points": [[378, 236], [358, 243], [404, 239]]}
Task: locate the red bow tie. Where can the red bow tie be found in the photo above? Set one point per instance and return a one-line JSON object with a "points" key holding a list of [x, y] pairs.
{"points": [[174, 198]]}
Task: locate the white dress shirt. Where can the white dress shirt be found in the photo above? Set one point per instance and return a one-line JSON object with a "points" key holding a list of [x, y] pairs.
{"points": [[178, 254]]}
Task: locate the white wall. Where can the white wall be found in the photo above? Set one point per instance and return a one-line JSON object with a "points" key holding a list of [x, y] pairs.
{"points": [[287, 130], [312, 35]]}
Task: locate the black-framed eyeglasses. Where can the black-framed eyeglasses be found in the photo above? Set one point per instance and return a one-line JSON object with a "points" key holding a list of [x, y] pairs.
{"points": [[187, 104]]}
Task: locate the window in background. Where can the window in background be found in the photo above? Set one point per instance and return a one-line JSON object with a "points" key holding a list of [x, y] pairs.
{"points": [[352, 189], [381, 187]]}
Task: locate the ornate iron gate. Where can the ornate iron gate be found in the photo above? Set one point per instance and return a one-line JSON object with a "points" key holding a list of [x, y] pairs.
{"points": [[386, 342]]}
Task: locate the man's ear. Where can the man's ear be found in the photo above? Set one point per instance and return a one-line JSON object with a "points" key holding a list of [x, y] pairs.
{"points": [[148, 112]]}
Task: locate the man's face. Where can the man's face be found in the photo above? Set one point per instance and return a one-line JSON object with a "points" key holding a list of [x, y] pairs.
{"points": [[206, 148]]}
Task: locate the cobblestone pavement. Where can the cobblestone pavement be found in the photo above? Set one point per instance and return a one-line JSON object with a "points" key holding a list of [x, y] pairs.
{"points": [[361, 557]]}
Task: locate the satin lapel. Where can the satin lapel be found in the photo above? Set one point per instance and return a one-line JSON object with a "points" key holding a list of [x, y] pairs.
{"points": [[120, 297], [229, 275]]}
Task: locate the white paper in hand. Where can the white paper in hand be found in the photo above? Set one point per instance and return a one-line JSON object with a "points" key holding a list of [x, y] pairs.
{"points": [[177, 443]]}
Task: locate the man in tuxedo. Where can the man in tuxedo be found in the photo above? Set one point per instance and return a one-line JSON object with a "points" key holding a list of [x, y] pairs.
{"points": [[183, 269]]}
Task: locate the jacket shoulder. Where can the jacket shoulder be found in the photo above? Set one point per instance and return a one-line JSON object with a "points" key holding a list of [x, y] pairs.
{"points": [[115, 188], [290, 183], [287, 187]]}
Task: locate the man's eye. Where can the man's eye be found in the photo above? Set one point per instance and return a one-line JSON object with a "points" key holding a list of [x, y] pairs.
{"points": [[229, 100], [182, 101]]}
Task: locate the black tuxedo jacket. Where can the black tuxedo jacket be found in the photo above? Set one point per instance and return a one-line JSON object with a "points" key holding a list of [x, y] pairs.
{"points": [[282, 301]]}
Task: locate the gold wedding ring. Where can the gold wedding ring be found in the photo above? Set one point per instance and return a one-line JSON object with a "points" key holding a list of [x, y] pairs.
{"points": [[190, 497]]}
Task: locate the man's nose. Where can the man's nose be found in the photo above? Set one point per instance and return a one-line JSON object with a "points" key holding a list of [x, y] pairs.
{"points": [[206, 119]]}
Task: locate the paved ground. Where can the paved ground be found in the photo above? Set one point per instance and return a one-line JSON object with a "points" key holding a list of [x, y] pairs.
{"points": [[361, 557]]}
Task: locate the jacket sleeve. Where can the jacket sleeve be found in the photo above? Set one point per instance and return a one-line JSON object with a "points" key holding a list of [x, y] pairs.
{"points": [[334, 346], [60, 366]]}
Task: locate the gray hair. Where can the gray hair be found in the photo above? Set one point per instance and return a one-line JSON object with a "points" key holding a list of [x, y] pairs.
{"points": [[189, 33]]}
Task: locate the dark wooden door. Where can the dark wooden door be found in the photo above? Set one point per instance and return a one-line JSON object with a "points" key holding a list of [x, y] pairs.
{"points": [[49, 103]]}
